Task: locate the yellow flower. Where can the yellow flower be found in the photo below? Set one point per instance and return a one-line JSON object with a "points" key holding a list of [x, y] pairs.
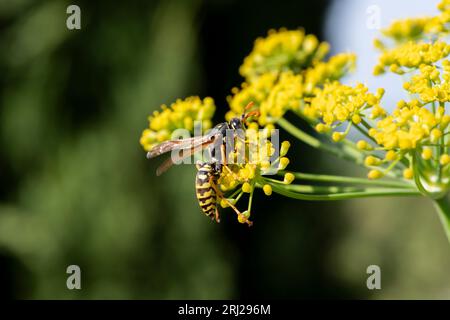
{"points": [[375, 174], [246, 187], [283, 163], [430, 83], [427, 153], [411, 55], [285, 95], [333, 69], [274, 93], [180, 114], [408, 173], [409, 29], [337, 103], [285, 145], [267, 189], [288, 178], [444, 159], [406, 127], [280, 51], [363, 145], [372, 161], [256, 92], [415, 29], [391, 155]]}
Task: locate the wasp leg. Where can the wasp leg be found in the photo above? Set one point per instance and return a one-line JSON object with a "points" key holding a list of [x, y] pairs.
{"points": [[221, 196], [217, 215], [224, 160]]}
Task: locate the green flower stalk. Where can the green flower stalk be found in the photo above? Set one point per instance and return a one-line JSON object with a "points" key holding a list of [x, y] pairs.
{"points": [[406, 151]]}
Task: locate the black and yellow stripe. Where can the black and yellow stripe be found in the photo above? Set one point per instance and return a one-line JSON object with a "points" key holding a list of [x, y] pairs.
{"points": [[206, 194]]}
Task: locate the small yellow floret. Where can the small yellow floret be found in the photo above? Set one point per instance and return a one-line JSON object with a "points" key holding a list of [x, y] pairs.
{"points": [[337, 136], [288, 178], [267, 189], [246, 187], [408, 173], [427, 153], [371, 161], [435, 135], [444, 160], [391, 155], [283, 163], [285, 145], [374, 174]]}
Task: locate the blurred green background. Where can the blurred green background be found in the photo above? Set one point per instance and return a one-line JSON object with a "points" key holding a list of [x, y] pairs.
{"points": [[76, 187]]}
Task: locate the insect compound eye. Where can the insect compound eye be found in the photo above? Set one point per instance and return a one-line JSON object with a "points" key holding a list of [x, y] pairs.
{"points": [[235, 123]]}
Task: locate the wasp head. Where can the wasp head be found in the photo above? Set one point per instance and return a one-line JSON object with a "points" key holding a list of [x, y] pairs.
{"points": [[236, 125]]}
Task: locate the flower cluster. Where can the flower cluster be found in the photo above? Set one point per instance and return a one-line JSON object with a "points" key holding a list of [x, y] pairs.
{"points": [[241, 177], [406, 151], [274, 94], [408, 125], [337, 103], [418, 126], [415, 29], [430, 83], [181, 114], [281, 51], [411, 55]]}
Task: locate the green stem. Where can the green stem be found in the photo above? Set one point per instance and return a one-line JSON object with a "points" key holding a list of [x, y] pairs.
{"points": [[443, 209], [340, 151], [365, 133], [292, 191], [350, 180]]}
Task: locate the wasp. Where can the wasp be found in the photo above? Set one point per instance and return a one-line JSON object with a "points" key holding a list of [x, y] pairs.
{"points": [[207, 192], [207, 172], [205, 188], [211, 141]]}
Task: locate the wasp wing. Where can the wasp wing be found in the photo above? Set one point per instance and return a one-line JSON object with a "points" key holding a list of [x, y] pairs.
{"points": [[167, 164], [187, 143]]}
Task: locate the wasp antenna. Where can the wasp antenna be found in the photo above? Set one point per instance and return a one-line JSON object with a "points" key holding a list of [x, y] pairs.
{"points": [[254, 113], [249, 105]]}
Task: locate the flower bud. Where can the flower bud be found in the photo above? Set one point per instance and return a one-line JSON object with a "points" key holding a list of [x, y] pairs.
{"points": [[285, 145], [267, 189], [374, 174], [288, 178]]}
